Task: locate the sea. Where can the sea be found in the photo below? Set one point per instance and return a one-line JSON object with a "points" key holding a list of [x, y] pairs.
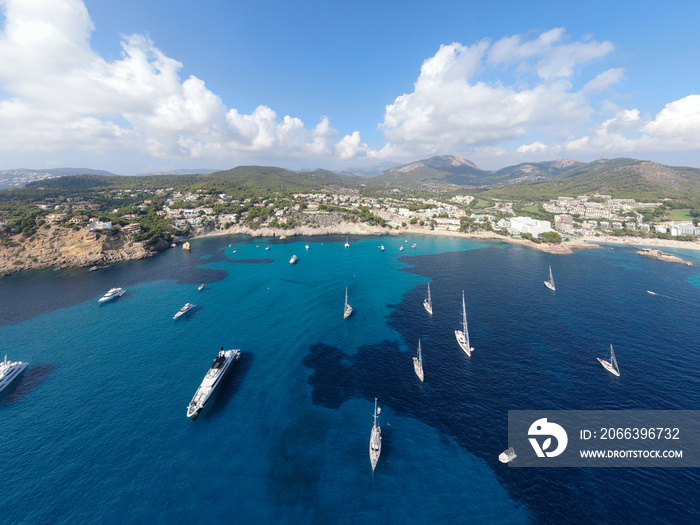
{"points": [[95, 429]]}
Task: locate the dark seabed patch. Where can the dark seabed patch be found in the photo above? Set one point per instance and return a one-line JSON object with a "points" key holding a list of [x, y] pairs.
{"points": [[29, 381]]}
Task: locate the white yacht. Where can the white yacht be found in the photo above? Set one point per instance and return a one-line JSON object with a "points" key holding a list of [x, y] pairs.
{"points": [[9, 370], [463, 334], [375, 439], [211, 381], [201, 287], [550, 284], [610, 366], [114, 292], [347, 244], [418, 364], [184, 310], [507, 455], [307, 246], [382, 247], [401, 248], [293, 259], [348, 309], [428, 302]]}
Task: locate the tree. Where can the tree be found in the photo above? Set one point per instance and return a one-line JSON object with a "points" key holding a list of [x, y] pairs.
{"points": [[552, 237]]}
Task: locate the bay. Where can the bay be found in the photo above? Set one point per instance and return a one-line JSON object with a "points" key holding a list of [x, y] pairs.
{"points": [[95, 429]]}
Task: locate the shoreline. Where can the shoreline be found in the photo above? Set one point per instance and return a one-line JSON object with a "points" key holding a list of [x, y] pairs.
{"points": [[130, 251]]}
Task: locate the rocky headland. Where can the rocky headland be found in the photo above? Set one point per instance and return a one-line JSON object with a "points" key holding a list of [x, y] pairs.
{"points": [[655, 253], [58, 247]]}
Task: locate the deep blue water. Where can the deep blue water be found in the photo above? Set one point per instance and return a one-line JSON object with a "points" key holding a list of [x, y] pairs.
{"points": [[95, 430]]}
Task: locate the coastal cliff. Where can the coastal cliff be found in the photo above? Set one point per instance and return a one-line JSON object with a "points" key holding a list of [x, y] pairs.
{"points": [[57, 247]]}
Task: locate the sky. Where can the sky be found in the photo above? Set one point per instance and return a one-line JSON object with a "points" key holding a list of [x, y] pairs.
{"points": [[135, 86]]}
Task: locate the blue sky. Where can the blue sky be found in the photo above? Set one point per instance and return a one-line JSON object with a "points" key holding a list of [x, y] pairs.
{"points": [[134, 87]]}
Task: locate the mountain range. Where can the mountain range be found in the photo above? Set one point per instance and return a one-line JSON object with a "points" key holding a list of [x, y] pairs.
{"points": [[620, 177]]}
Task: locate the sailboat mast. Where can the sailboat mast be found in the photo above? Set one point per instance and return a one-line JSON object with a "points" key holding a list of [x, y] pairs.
{"points": [[464, 321], [419, 356], [375, 412]]}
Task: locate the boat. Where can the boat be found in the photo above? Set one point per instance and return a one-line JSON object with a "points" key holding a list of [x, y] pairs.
{"points": [[652, 293], [610, 366], [347, 244], [401, 249], [211, 380], [348, 309], [418, 364], [9, 370], [463, 334], [114, 292], [428, 302], [307, 246], [375, 439], [413, 245], [507, 455], [293, 259], [267, 247], [550, 284], [382, 247], [200, 287], [184, 310]]}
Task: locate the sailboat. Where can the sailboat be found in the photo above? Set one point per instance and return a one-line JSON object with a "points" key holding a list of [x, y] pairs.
{"points": [[347, 244], [375, 439], [348, 309], [428, 302], [463, 334], [610, 366], [550, 284], [418, 364]]}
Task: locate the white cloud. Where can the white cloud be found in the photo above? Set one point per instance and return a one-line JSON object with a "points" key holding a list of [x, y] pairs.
{"points": [[63, 95], [451, 110]]}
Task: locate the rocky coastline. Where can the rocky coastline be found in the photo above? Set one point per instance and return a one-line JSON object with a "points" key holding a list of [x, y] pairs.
{"points": [[655, 253], [58, 247]]}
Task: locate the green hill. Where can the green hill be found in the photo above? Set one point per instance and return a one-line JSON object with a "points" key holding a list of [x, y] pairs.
{"points": [[622, 178]]}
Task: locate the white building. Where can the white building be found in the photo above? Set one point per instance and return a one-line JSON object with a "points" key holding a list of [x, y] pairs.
{"points": [[529, 225]]}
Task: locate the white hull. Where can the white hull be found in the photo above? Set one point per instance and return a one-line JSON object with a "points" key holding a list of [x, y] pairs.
{"points": [[375, 440], [112, 294], [428, 303], [463, 343], [347, 311], [211, 381], [293, 259], [9, 371], [463, 335], [418, 364], [550, 286], [507, 456], [185, 309], [418, 368], [610, 368]]}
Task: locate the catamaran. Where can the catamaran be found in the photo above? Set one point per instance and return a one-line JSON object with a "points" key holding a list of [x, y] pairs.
{"points": [[610, 366], [428, 302], [463, 334], [550, 284], [348, 309], [375, 439], [418, 364]]}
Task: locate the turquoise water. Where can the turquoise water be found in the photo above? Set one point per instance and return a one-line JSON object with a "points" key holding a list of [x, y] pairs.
{"points": [[96, 430]]}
